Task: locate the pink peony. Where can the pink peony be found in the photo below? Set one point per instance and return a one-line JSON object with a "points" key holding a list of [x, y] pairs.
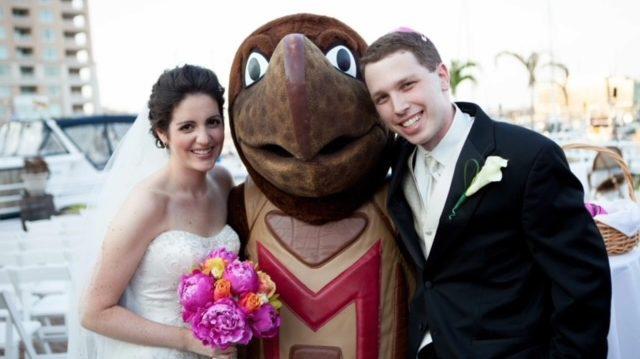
{"points": [[594, 209], [265, 322], [195, 291], [222, 325], [224, 254], [242, 276]]}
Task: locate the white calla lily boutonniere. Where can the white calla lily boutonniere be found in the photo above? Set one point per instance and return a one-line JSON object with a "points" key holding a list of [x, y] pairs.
{"points": [[490, 172]]}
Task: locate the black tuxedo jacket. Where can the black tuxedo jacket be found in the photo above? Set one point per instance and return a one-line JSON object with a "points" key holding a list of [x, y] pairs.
{"points": [[521, 271]]}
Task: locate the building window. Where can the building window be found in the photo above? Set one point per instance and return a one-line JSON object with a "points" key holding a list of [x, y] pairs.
{"points": [[22, 33], [50, 54], [27, 71], [3, 34], [5, 91], [48, 36], [77, 108], [52, 71], [20, 13], [24, 52], [4, 54], [76, 90], [46, 16], [28, 90], [54, 91], [69, 36], [4, 70]]}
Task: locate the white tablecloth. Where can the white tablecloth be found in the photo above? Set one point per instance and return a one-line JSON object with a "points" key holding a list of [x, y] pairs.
{"points": [[624, 333]]}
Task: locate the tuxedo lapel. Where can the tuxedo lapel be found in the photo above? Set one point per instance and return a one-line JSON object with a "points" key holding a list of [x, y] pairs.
{"points": [[399, 208], [479, 144]]}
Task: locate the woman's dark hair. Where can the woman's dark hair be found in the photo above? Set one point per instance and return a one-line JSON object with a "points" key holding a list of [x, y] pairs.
{"points": [[172, 87]]}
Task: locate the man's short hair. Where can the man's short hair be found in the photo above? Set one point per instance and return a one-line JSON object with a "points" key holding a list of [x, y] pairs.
{"points": [[419, 45]]}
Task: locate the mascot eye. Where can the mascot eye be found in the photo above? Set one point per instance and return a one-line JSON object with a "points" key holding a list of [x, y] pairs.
{"points": [[342, 59], [256, 68]]}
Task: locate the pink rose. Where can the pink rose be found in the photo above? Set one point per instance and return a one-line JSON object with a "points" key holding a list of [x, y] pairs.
{"points": [[224, 254], [195, 291], [222, 324], [594, 209], [242, 276], [265, 322]]}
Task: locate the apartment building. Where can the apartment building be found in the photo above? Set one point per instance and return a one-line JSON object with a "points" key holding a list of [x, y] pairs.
{"points": [[46, 62]]}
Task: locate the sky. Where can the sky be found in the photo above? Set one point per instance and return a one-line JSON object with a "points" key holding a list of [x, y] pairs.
{"points": [[135, 40]]}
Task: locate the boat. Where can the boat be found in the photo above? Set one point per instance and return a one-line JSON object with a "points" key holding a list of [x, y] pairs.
{"points": [[75, 150]]}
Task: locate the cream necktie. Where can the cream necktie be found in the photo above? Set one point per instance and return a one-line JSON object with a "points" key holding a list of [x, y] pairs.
{"points": [[429, 168]]}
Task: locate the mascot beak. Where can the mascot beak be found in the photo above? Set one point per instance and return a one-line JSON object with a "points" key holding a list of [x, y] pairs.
{"points": [[293, 51]]}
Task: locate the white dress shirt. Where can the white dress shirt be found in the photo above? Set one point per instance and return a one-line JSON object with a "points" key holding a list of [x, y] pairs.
{"points": [[427, 196]]}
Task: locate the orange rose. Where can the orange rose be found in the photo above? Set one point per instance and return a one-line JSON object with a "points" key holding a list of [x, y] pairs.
{"points": [[266, 284], [250, 302], [222, 289]]}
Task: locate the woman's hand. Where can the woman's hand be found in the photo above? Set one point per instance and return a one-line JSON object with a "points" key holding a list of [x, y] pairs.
{"points": [[229, 353], [194, 345]]}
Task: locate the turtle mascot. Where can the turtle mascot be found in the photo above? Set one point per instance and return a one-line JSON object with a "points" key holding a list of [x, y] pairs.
{"points": [[312, 212]]}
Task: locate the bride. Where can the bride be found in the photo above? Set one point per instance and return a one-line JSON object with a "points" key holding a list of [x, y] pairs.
{"points": [[169, 221]]}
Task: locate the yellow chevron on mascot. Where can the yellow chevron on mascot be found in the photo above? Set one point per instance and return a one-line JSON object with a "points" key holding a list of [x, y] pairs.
{"points": [[312, 213]]}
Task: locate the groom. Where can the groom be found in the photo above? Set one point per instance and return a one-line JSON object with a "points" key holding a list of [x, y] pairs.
{"points": [[516, 269]]}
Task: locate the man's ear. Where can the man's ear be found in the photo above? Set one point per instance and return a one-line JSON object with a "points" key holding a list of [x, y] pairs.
{"points": [[445, 79]]}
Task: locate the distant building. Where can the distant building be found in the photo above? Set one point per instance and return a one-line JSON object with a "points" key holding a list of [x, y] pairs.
{"points": [[46, 59], [601, 100]]}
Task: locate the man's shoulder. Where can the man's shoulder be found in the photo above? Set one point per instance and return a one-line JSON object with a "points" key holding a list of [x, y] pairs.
{"points": [[508, 135], [520, 135]]}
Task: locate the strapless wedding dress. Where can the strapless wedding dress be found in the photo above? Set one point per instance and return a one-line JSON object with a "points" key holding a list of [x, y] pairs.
{"points": [[153, 290]]}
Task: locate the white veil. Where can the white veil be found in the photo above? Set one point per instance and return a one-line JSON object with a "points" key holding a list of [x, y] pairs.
{"points": [[135, 158]]}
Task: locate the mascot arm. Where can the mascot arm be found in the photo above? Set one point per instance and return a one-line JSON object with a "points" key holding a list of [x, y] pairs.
{"points": [[237, 216]]}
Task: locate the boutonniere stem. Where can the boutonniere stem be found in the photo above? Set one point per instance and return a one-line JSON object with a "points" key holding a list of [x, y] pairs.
{"points": [[490, 172]]}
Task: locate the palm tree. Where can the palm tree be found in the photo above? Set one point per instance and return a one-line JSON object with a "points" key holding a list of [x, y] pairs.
{"points": [[531, 64], [561, 83], [458, 75]]}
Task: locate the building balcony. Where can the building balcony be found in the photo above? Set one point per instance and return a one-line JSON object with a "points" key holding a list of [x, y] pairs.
{"points": [[68, 7], [72, 44], [74, 62], [27, 80], [72, 5], [70, 25], [79, 99], [25, 57], [78, 81], [23, 39]]}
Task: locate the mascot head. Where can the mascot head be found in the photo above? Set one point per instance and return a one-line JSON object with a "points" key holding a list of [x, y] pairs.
{"points": [[302, 120]]}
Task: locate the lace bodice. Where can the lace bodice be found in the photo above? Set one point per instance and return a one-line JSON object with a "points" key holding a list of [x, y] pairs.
{"points": [[153, 290]]}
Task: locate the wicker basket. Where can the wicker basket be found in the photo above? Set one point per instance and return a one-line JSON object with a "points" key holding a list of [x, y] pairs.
{"points": [[615, 241]]}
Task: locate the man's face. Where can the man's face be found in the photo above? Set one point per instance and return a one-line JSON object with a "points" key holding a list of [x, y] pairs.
{"points": [[412, 101]]}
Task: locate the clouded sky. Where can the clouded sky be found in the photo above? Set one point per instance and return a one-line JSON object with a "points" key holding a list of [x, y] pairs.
{"points": [[134, 41]]}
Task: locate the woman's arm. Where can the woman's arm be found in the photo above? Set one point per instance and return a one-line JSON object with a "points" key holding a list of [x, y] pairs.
{"points": [[137, 223]]}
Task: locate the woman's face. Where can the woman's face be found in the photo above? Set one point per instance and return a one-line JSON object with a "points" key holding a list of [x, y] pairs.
{"points": [[196, 132]]}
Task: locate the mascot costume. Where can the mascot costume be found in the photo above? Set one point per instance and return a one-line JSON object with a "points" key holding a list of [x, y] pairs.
{"points": [[312, 213]]}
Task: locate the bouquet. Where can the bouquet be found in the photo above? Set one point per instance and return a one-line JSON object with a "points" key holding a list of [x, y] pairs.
{"points": [[228, 302]]}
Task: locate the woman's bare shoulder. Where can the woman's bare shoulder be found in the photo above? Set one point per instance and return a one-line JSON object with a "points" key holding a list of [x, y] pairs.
{"points": [[222, 177], [144, 210]]}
